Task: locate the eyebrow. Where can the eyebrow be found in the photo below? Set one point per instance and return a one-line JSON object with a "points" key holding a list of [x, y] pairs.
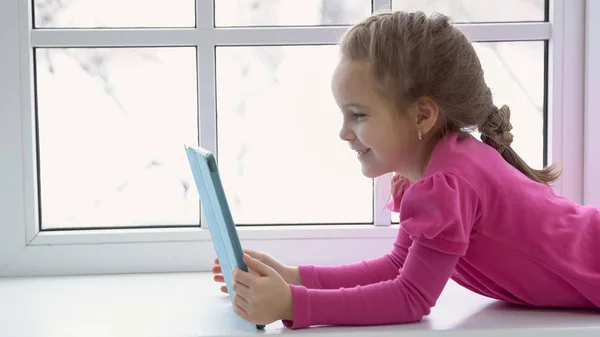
{"points": [[356, 105]]}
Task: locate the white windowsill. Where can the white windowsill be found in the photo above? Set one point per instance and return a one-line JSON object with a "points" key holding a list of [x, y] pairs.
{"points": [[189, 304], [188, 249]]}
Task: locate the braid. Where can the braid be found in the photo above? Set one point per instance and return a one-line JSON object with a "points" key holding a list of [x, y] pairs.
{"points": [[495, 131]]}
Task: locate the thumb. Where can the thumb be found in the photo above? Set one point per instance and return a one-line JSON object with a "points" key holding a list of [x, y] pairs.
{"points": [[260, 268], [254, 253]]}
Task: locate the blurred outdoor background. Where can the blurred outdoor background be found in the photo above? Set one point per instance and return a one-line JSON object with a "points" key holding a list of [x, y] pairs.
{"points": [[113, 121]]}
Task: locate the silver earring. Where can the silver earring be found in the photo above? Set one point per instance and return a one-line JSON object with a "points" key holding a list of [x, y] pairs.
{"points": [[420, 134]]}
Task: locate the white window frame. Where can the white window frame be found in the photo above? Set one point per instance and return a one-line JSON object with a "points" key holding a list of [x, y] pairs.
{"points": [[24, 250], [591, 159]]}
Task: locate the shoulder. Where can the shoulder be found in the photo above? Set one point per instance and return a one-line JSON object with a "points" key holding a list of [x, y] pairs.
{"points": [[443, 191], [439, 211], [460, 153], [452, 155]]}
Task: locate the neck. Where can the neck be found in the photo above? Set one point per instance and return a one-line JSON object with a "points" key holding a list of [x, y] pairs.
{"points": [[422, 161]]}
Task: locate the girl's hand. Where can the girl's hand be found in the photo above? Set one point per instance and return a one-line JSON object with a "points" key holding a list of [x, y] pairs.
{"points": [[289, 274], [261, 296]]}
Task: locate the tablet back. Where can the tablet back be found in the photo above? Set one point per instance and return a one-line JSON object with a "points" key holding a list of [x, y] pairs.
{"points": [[216, 211]]}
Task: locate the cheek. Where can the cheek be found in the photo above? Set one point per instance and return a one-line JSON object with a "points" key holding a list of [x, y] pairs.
{"points": [[401, 144]]}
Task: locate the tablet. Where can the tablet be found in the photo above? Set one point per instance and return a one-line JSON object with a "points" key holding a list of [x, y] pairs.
{"points": [[217, 213]]}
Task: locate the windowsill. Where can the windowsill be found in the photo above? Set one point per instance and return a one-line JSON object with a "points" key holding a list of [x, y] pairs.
{"points": [[189, 304], [119, 251]]}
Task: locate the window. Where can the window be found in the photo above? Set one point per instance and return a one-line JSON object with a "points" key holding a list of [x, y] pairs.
{"points": [[100, 96], [592, 121]]}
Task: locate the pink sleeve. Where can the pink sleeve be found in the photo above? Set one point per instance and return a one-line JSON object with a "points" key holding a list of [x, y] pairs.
{"points": [[439, 212], [366, 272], [407, 298]]}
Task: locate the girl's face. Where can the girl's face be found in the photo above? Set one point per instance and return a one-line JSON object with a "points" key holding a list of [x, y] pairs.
{"points": [[384, 141]]}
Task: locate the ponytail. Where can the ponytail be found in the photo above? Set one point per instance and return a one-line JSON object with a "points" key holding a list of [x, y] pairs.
{"points": [[495, 131]]}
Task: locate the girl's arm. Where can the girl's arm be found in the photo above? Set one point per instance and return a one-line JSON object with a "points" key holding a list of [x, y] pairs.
{"points": [[384, 268], [406, 298]]}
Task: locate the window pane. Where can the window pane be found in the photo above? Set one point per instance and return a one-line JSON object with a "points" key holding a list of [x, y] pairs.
{"points": [[514, 71], [112, 128], [478, 10], [290, 13], [114, 13], [278, 146]]}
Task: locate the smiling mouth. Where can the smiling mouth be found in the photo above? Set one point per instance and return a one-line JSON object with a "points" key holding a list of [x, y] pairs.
{"points": [[361, 152]]}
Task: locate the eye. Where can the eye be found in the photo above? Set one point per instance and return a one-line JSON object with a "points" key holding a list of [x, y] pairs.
{"points": [[358, 115]]}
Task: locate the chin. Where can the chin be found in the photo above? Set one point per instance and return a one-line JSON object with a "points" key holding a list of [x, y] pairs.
{"points": [[370, 176], [370, 173]]}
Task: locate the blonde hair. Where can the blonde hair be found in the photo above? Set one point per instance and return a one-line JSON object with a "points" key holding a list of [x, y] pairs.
{"points": [[412, 55]]}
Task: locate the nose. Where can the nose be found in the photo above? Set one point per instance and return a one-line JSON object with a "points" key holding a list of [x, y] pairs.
{"points": [[346, 133]]}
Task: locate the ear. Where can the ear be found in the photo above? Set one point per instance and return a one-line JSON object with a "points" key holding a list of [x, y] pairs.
{"points": [[426, 114]]}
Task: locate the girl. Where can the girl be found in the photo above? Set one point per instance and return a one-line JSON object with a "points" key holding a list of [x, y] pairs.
{"points": [[411, 89]]}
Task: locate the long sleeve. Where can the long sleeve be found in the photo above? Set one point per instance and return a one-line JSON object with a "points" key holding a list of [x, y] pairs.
{"points": [[406, 298], [365, 272]]}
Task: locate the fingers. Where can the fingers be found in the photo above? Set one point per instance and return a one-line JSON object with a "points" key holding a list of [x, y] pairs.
{"points": [[259, 267], [242, 277], [241, 306], [219, 277], [261, 256], [253, 272], [238, 305], [251, 252], [241, 290]]}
